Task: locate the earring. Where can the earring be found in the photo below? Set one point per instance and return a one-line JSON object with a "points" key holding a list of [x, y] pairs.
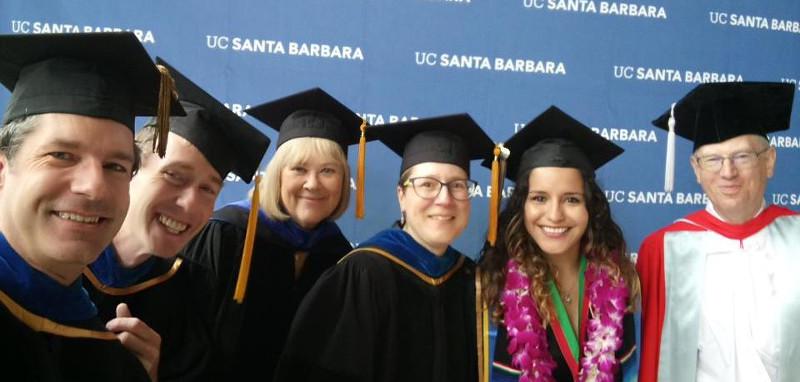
{"points": [[402, 218]]}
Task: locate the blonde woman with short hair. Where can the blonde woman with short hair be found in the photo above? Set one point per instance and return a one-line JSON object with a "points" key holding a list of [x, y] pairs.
{"points": [[304, 189]]}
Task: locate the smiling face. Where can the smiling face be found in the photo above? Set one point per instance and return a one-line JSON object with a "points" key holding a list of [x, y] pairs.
{"points": [[172, 198], [64, 194], [434, 223], [311, 190], [736, 193], [555, 211]]}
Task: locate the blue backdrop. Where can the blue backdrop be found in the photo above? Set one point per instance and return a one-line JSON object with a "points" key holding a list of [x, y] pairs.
{"points": [[613, 65]]}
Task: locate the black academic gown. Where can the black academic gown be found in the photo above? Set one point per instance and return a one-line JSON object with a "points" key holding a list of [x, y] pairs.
{"points": [[80, 351], [51, 332], [373, 317], [59, 352], [249, 337], [503, 371], [173, 299]]}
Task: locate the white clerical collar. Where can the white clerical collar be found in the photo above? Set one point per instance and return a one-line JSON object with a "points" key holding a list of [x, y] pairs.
{"points": [[710, 209]]}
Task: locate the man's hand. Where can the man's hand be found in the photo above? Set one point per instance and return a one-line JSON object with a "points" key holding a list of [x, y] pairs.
{"points": [[137, 337]]}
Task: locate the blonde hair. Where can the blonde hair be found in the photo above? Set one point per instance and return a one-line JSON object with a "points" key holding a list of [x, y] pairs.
{"points": [[291, 153]]}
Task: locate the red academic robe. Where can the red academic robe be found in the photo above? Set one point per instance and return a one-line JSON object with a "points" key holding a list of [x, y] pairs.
{"points": [[650, 266]]}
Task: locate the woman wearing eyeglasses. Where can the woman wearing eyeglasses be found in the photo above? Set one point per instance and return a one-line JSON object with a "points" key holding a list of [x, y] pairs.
{"points": [[401, 307]]}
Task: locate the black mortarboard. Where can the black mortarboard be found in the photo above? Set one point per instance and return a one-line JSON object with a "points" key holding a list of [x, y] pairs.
{"points": [[310, 113], [554, 139], [715, 112], [227, 141], [102, 75], [454, 139]]}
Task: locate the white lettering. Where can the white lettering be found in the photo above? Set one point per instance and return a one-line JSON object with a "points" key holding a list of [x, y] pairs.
{"points": [[784, 141], [627, 135]]}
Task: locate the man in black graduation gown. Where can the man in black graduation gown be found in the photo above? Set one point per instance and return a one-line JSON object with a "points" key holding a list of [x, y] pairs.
{"points": [[66, 159], [172, 198]]}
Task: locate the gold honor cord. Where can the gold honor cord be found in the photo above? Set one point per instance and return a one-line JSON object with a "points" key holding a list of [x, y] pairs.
{"points": [[166, 93], [249, 239], [627, 355], [41, 324], [482, 321], [361, 174], [435, 281], [136, 288]]}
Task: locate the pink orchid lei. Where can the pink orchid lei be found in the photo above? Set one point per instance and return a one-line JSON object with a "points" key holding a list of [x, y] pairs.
{"points": [[528, 338]]}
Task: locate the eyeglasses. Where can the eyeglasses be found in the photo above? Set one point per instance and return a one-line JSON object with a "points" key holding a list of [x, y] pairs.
{"points": [[429, 188], [740, 160]]}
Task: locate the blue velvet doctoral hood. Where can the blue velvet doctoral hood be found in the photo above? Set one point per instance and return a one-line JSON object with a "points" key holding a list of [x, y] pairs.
{"points": [[40, 294], [292, 233], [400, 244], [110, 272]]}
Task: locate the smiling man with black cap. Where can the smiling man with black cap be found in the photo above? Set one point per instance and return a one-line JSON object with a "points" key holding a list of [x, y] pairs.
{"points": [[172, 198], [66, 159], [718, 298], [268, 252], [401, 307]]}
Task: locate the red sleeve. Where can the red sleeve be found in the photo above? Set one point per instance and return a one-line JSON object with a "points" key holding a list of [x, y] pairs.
{"points": [[650, 266]]}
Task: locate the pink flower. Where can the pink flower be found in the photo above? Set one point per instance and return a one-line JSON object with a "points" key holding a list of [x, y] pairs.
{"points": [[528, 338]]}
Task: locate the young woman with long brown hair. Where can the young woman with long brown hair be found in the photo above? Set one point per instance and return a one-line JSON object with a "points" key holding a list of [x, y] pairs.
{"points": [[558, 283]]}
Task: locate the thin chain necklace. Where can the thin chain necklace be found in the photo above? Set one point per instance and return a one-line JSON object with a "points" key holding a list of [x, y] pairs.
{"points": [[566, 296]]}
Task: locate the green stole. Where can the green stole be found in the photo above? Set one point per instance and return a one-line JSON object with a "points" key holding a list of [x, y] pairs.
{"points": [[569, 333]]}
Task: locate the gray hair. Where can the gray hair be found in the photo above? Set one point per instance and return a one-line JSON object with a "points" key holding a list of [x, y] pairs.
{"points": [[13, 134]]}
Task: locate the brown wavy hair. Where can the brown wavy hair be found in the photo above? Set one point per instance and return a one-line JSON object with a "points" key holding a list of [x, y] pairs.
{"points": [[603, 243]]}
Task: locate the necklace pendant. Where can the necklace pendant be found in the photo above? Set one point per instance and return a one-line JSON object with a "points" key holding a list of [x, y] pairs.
{"points": [[567, 299]]}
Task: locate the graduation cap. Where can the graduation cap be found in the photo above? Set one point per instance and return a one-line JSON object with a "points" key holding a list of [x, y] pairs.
{"points": [[555, 139], [454, 139], [310, 113], [716, 112], [226, 140], [101, 75]]}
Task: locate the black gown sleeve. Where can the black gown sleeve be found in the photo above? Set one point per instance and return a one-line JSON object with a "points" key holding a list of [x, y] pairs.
{"points": [[334, 332], [626, 351], [29, 355], [178, 309], [217, 248], [186, 350]]}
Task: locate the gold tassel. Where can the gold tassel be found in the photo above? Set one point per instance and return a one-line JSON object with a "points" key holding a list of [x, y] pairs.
{"points": [[166, 93], [360, 181], [494, 200], [249, 238], [501, 154]]}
